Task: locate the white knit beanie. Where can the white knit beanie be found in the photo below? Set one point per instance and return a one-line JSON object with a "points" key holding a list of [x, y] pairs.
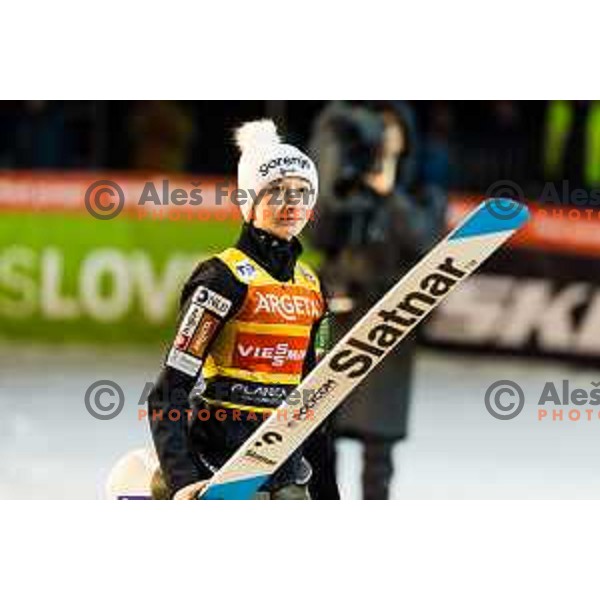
{"points": [[265, 158]]}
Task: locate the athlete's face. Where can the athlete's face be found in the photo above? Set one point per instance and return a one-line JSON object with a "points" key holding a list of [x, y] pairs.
{"points": [[283, 210]]}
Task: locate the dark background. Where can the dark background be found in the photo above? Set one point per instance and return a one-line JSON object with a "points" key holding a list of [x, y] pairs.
{"points": [[484, 141]]}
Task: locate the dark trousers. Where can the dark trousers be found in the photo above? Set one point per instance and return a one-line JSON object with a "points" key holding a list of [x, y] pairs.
{"points": [[378, 468]]}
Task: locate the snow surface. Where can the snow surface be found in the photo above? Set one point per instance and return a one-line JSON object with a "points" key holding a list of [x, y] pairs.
{"points": [[50, 447]]}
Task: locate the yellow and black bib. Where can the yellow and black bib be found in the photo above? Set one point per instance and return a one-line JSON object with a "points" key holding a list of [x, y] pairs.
{"points": [[266, 341]]}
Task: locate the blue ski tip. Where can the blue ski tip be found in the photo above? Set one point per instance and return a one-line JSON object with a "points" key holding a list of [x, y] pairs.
{"points": [[242, 489], [493, 216]]}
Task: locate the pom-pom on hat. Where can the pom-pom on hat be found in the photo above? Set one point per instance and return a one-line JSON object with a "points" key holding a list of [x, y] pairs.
{"points": [[265, 159]]}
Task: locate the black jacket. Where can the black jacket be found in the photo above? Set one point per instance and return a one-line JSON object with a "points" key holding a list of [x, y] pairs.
{"points": [[181, 443], [369, 241]]}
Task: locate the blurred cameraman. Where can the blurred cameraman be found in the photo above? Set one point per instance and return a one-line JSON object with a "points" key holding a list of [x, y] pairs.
{"points": [[376, 218]]}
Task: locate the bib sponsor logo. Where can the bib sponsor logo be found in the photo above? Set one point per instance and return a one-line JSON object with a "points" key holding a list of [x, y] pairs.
{"points": [[274, 304], [211, 300], [245, 270], [270, 353], [287, 306], [184, 362], [204, 333], [266, 391], [188, 326]]}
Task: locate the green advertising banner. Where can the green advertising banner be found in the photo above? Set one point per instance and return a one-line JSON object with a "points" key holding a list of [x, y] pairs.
{"points": [[105, 268]]}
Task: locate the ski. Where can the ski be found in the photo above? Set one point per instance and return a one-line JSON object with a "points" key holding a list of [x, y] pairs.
{"points": [[380, 330]]}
